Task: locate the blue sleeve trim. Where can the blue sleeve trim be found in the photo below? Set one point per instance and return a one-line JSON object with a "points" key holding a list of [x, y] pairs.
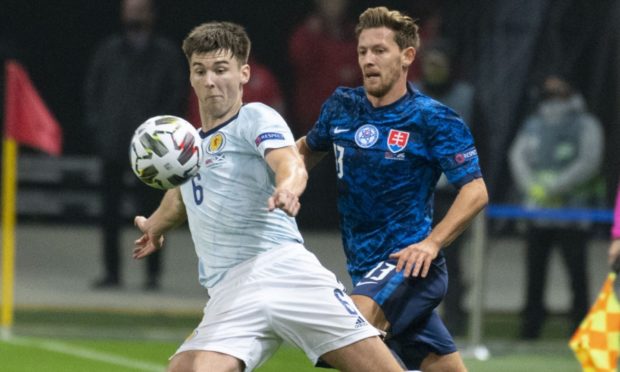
{"points": [[467, 179]]}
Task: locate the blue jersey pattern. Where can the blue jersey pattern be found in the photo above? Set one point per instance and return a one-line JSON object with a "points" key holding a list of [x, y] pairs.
{"points": [[388, 161]]}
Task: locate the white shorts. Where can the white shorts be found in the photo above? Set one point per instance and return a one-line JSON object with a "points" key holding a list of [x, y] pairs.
{"points": [[284, 294]]}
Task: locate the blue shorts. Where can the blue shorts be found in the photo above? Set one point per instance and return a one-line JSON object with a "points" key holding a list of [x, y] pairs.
{"points": [[409, 305]]}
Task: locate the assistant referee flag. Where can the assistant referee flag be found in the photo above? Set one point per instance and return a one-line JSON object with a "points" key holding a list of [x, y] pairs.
{"points": [[596, 342]]}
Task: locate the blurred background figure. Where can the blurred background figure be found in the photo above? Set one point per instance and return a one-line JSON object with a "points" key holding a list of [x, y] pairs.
{"points": [[322, 53], [555, 162], [438, 80], [132, 76], [429, 17]]}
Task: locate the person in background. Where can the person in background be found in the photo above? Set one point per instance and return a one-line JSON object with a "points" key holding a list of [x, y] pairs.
{"points": [[391, 144], [133, 76], [555, 162], [322, 57], [438, 80]]}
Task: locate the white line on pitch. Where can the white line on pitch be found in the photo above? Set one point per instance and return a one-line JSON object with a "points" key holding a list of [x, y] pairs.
{"points": [[63, 348]]}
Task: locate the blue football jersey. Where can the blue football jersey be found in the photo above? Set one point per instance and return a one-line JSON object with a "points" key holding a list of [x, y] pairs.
{"points": [[388, 161]]}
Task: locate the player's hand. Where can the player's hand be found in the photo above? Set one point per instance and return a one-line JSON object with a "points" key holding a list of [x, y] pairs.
{"points": [[614, 252], [285, 200], [149, 242], [415, 260]]}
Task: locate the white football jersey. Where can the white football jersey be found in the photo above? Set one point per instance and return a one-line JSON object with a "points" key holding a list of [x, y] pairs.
{"points": [[226, 202]]}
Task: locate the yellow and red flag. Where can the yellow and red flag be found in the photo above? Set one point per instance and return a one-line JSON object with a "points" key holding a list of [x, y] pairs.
{"points": [[596, 342]]}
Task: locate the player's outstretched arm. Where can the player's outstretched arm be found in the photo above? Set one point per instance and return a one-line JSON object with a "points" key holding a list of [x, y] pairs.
{"points": [[290, 176], [416, 259], [169, 214], [311, 158], [470, 200]]}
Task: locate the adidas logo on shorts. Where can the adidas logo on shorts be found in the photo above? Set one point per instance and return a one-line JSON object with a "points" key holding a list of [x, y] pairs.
{"points": [[360, 322]]}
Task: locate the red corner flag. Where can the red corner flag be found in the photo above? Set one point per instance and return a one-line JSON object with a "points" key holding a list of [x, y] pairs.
{"points": [[27, 119]]}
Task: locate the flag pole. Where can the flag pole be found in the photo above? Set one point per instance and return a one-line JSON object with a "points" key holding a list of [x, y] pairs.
{"points": [[9, 196]]}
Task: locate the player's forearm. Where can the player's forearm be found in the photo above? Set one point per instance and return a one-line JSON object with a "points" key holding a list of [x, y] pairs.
{"points": [[170, 213], [291, 175], [471, 199], [311, 158]]}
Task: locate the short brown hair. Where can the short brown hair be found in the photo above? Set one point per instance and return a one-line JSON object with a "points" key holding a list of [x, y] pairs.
{"points": [[213, 36], [404, 27]]}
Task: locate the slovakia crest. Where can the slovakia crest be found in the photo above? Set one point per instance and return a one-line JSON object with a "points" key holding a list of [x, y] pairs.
{"points": [[366, 136], [397, 140]]}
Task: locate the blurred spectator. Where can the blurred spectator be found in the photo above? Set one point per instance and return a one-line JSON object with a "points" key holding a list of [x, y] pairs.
{"points": [[429, 16], [133, 76], [263, 87], [439, 81], [555, 161], [322, 51]]}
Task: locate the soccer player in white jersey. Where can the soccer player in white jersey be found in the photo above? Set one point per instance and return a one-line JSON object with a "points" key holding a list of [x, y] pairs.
{"points": [[264, 286]]}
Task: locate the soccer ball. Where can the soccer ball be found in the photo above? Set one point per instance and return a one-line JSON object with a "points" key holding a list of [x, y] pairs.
{"points": [[165, 152]]}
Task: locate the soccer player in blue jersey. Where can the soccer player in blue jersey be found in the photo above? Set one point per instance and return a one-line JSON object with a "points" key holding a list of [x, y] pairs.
{"points": [[264, 286], [391, 143]]}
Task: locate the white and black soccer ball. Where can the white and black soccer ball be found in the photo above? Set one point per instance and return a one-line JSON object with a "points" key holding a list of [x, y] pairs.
{"points": [[165, 151]]}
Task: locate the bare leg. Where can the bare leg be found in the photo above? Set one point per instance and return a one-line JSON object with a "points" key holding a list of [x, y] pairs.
{"points": [[433, 362], [203, 361], [448, 362], [367, 355], [371, 311]]}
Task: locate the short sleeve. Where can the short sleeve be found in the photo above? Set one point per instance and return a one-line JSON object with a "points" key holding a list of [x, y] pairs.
{"points": [[452, 145], [269, 130], [318, 138]]}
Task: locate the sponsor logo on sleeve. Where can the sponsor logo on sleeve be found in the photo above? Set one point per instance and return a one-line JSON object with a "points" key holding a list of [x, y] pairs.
{"points": [[462, 157], [267, 137]]}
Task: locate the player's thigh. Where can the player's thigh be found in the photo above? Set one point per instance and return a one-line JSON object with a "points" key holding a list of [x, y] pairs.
{"points": [[203, 361], [369, 354], [403, 301], [371, 311], [439, 363]]}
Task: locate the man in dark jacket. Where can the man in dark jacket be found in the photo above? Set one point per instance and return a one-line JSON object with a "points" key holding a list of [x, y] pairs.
{"points": [[133, 76]]}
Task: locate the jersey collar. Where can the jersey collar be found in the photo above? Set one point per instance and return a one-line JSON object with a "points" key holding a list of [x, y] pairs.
{"points": [[204, 134]]}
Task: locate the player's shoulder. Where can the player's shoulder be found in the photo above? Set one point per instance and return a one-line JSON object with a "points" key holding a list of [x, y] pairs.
{"points": [[347, 95], [259, 110], [433, 112], [260, 114], [424, 102], [345, 99]]}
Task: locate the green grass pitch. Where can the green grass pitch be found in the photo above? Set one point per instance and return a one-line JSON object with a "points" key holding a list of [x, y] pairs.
{"points": [[86, 341]]}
